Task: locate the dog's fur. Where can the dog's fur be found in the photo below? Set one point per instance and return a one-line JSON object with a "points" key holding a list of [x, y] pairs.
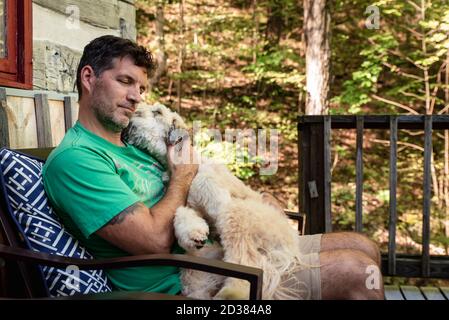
{"points": [[246, 230]]}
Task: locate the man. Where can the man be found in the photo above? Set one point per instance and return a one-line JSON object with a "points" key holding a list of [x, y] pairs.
{"points": [[112, 198], [101, 187]]}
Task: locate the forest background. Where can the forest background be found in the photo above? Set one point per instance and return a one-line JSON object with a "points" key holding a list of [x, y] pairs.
{"points": [[242, 64]]}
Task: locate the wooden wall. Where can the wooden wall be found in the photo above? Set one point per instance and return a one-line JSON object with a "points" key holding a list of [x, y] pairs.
{"points": [[35, 119], [62, 28]]}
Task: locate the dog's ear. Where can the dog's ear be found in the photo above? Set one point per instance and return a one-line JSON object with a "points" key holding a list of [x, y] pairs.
{"points": [[178, 122], [156, 112]]}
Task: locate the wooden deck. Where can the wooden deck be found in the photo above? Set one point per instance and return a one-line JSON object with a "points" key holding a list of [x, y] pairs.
{"points": [[416, 293]]}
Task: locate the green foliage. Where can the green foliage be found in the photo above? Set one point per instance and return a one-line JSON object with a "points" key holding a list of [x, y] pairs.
{"points": [[204, 78], [280, 66], [357, 91], [237, 158], [232, 115]]}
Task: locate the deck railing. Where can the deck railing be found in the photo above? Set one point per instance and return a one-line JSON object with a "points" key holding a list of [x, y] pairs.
{"points": [[315, 183]]}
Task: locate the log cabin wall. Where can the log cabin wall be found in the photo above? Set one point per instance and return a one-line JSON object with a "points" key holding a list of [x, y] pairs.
{"points": [[61, 29]]}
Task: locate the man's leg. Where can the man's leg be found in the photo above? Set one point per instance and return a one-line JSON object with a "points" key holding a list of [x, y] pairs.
{"points": [[351, 240], [348, 274], [337, 240]]}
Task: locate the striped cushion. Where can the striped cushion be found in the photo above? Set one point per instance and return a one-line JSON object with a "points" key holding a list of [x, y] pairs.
{"points": [[21, 180]]}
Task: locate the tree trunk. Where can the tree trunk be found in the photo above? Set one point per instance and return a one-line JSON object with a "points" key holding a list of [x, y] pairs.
{"points": [[424, 50], [181, 54], [255, 40], [317, 34], [161, 56], [446, 156], [275, 23]]}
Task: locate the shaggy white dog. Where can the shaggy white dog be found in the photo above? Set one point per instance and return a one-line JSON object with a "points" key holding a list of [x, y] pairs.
{"points": [[245, 230]]}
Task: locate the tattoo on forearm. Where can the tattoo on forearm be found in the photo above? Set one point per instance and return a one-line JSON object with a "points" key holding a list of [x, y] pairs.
{"points": [[122, 215]]}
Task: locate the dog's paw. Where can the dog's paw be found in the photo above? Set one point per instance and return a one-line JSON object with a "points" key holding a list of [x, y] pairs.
{"points": [[197, 237], [191, 230], [232, 293]]}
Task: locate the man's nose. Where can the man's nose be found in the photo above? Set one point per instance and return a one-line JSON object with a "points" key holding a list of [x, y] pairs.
{"points": [[134, 95]]}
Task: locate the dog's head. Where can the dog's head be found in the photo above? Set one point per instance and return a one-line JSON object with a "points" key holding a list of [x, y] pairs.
{"points": [[154, 127]]}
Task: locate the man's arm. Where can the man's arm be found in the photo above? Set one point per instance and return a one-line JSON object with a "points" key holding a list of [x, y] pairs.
{"points": [[139, 230]]}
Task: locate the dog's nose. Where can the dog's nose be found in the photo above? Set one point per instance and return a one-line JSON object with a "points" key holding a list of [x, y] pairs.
{"points": [[199, 243]]}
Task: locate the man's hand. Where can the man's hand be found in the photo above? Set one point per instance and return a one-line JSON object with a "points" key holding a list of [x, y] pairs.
{"points": [[183, 161]]}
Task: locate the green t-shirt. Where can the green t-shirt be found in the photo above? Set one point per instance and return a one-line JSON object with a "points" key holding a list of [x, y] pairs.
{"points": [[89, 181]]}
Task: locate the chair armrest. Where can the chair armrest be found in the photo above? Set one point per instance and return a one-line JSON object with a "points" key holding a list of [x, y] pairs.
{"points": [[294, 214], [298, 216], [114, 295], [253, 275]]}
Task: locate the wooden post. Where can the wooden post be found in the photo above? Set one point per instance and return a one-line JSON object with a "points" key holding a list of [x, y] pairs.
{"points": [[359, 176], [427, 195], [4, 131], [315, 176], [393, 184], [69, 105], [43, 121], [327, 174]]}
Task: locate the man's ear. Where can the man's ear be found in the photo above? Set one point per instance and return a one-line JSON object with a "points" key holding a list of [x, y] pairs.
{"points": [[88, 78]]}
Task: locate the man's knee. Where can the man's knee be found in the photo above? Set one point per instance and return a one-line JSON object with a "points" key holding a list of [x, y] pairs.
{"points": [[368, 246], [351, 274], [372, 249], [364, 277]]}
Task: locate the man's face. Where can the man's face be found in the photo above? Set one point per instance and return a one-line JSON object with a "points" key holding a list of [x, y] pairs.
{"points": [[116, 93]]}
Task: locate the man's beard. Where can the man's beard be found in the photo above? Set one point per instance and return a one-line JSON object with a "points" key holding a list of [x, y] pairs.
{"points": [[104, 113], [108, 120]]}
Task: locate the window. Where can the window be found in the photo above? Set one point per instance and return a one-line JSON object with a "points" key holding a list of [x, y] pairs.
{"points": [[16, 43]]}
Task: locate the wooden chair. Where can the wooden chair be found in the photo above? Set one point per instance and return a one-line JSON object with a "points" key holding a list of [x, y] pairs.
{"points": [[20, 278]]}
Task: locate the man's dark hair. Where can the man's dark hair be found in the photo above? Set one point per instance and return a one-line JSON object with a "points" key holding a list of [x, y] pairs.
{"points": [[100, 52]]}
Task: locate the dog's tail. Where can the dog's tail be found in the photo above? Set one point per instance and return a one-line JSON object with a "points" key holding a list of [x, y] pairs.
{"points": [[281, 281]]}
